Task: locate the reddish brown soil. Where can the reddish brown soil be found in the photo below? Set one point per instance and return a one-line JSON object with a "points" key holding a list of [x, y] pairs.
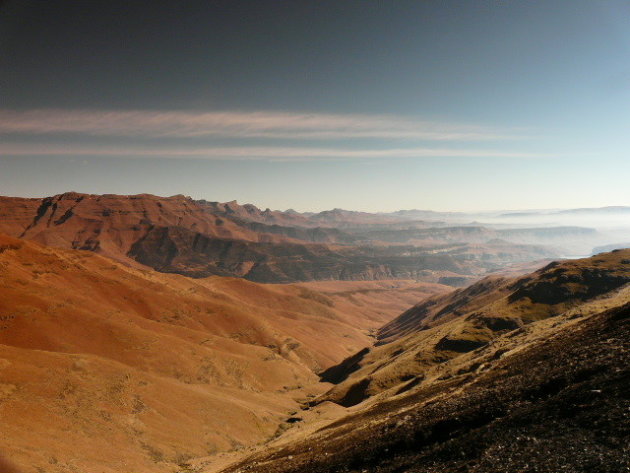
{"points": [[106, 368]]}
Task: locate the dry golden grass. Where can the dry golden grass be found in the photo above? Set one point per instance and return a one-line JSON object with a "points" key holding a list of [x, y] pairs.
{"points": [[106, 368]]}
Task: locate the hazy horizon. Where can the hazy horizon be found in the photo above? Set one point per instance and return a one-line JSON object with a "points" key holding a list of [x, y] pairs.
{"points": [[473, 212]]}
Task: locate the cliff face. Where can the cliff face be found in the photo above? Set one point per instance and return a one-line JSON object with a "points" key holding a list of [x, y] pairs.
{"points": [[108, 224], [177, 234], [307, 234], [179, 250], [251, 213], [198, 238], [182, 251]]}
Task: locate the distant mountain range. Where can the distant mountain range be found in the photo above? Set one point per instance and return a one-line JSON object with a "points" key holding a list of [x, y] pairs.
{"points": [[459, 216], [200, 238]]}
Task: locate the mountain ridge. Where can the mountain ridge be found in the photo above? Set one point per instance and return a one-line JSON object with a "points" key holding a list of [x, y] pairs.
{"points": [[201, 238]]}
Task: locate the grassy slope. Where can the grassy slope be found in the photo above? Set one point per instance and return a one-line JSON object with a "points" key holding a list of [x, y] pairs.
{"points": [[109, 368]]}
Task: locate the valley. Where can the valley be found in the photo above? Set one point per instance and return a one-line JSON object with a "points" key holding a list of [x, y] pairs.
{"points": [[166, 335], [104, 361], [314, 236], [491, 378]]}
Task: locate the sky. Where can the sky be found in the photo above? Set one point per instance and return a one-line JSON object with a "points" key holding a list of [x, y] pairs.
{"points": [[312, 105]]}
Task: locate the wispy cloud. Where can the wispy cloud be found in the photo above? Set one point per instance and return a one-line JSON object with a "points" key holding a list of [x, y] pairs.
{"points": [[140, 127], [253, 153], [235, 124]]}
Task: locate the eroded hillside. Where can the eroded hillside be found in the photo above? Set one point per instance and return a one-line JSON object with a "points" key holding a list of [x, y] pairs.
{"points": [[110, 368], [415, 347]]}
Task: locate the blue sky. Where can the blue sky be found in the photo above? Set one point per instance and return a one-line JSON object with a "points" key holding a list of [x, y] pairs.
{"points": [[314, 105]]}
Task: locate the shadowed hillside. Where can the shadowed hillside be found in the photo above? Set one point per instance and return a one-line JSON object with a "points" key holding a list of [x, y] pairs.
{"points": [[416, 345], [559, 404], [453, 388]]}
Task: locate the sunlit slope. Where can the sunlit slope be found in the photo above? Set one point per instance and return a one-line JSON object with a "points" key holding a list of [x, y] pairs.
{"points": [[103, 364], [109, 224]]}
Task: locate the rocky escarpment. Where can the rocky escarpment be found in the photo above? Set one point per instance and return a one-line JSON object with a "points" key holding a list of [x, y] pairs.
{"points": [[109, 224], [179, 250], [251, 213], [197, 238], [307, 234]]}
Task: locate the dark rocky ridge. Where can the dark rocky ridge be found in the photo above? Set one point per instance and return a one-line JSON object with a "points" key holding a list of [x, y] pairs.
{"points": [[178, 250], [183, 251], [445, 327], [561, 404]]}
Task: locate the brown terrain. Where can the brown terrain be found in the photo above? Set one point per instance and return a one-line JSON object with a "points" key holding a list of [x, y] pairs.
{"points": [[443, 327], [522, 374], [106, 368], [199, 239], [351, 357]]}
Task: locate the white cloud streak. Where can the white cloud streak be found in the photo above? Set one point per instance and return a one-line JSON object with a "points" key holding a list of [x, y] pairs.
{"points": [[252, 153], [235, 124]]}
